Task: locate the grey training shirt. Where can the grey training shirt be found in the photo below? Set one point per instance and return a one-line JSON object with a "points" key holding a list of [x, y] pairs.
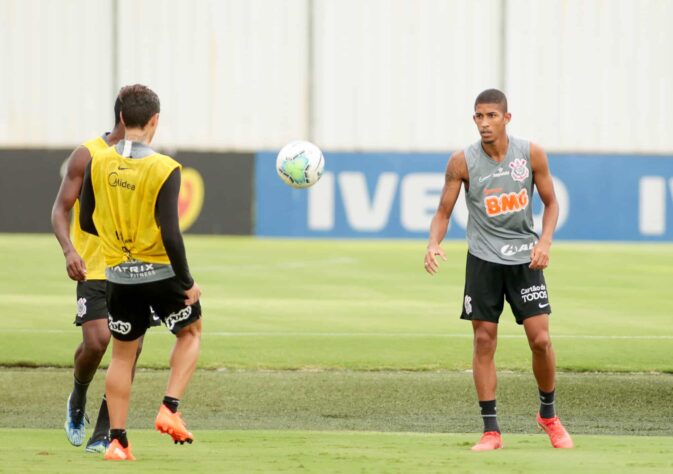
{"points": [[499, 201]]}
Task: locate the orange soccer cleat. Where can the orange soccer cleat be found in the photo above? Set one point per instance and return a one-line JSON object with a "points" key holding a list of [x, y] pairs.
{"points": [[558, 435], [116, 452], [172, 424], [489, 441]]}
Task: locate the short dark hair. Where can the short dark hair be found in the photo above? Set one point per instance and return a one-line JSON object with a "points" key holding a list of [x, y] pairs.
{"points": [[138, 104], [492, 96], [118, 110]]}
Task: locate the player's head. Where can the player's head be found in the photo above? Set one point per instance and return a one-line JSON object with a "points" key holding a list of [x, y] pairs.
{"points": [[492, 96], [139, 107], [491, 115]]}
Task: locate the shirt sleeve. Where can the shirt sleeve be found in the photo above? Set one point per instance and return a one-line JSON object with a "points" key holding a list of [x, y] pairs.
{"points": [[167, 219], [87, 203]]}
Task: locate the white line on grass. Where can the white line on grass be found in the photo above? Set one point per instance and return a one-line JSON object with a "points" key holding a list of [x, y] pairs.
{"points": [[420, 335], [366, 334]]}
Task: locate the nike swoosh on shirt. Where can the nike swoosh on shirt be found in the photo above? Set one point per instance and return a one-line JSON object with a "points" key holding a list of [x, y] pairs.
{"points": [[543, 305]]}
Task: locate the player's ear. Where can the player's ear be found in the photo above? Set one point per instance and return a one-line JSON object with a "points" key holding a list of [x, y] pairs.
{"points": [[508, 117], [121, 119]]}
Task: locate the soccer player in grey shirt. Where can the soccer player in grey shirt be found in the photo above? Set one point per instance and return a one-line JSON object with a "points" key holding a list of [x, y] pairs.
{"points": [[506, 257]]}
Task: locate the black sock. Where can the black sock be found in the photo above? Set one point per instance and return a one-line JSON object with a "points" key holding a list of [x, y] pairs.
{"points": [[103, 422], [488, 414], [547, 409], [171, 403], [119, 435], [78, 396]]}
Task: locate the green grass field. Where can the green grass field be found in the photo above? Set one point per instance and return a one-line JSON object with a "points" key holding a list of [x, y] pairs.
{"points": [[345, 451], [349, 358]]}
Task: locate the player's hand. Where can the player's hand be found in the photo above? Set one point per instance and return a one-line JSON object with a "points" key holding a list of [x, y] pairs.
{"points": [[75, 266], [193, 295], [431, 265], [539, 256]]}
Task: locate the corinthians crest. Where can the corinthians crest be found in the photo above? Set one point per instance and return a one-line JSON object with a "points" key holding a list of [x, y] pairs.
{"points": [[519, 170]]}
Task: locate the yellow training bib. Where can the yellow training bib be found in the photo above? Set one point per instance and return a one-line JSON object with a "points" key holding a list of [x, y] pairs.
{"points": [[87, 245], [126, 191]]}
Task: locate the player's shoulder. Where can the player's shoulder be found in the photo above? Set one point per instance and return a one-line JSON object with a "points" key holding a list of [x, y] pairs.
{"points": [[166, 158], [519, 145], [91, 147], [81, 153], [533, 152], [457, 165], [166, 161], [536, 149], [458, 155], [457, 158], [163, 156], [525, 146], [78, 160], [102, 154], [97, 142], [472, 149]]}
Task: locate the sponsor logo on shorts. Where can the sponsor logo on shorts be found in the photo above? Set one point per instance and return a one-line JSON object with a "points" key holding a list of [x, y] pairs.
{"points": [[534, 293], [508, 249], [519, 170], [468, 304], [174, 318], [120, 327], [81, 307], [506, 203]]}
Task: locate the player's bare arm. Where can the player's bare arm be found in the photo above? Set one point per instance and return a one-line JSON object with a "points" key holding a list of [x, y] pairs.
{"points": [[456, 174], [60, 212], [539, 258]]}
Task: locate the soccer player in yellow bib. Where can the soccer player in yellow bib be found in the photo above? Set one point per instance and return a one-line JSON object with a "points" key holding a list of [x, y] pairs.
{"points": [[130, 200], [85, 264]]}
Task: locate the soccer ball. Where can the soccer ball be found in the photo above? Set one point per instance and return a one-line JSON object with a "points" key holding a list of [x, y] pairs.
{"points": [[299, 164]]}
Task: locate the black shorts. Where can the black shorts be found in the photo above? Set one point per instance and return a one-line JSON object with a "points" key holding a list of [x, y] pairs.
{"points": [[488, 284], [91, 303], [133, 307]]}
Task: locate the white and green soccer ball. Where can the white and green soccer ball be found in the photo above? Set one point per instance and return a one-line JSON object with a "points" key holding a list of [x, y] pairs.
{"points": [[300, 164]]}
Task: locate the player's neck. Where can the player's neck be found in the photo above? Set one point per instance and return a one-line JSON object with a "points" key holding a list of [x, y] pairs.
{"points": [[115, 135], [138, 135], [497, 149]]}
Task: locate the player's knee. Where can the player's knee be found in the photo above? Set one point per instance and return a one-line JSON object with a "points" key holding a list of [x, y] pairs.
{"points": [[97, 344], [484, 342], [191, 331], [540, 343]]}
